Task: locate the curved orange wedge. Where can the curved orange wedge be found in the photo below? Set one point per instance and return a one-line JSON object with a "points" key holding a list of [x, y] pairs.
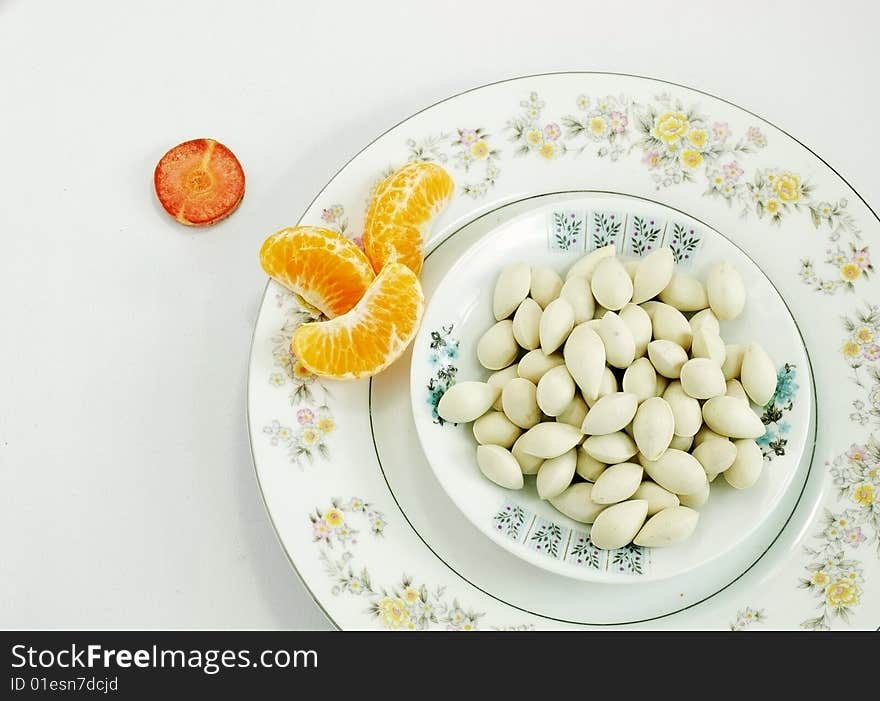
{"points": [[371, 336], [401, 212], [323, 267]]}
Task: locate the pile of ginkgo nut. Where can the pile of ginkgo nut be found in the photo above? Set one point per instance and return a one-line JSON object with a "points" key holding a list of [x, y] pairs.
{"points": [[604, 377]]}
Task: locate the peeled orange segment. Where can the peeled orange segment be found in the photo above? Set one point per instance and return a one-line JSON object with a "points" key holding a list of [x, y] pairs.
{"points": [[323, 267], [401, 213], [199, 182], [371, 336]]}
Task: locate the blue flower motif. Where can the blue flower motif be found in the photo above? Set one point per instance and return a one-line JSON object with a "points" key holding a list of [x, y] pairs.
{"points": [[786, 387], [784, 427], [434, 359], [451, 351]]}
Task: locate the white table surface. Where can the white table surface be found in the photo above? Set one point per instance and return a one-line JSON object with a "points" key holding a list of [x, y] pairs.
{"points": [[127, 494]]}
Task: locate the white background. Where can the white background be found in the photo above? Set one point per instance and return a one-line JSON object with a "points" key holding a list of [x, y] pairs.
{"points": [[127, 494]]}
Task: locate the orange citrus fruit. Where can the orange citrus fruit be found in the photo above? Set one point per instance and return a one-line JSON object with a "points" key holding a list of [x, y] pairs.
{"points": [[401, 212], [371, 336], [199, 182], [321, 266]]}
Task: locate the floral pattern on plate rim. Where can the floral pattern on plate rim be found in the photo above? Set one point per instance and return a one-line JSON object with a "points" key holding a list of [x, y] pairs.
{"points": [[469, 150], [834, 575], [305, 433], [679, 145], [748, 616], [405, 605]]}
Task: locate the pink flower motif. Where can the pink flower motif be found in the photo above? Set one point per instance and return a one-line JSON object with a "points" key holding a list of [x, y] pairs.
{"points": [[358, 241], [618, 122], [755, 136], [305, 417], [862, 258], [871, 352], [467, 136], [552, 131], [732, 170], [320, 529], [651, 158], [857, 453], [720, 131], [327, 216], [854, 536]]}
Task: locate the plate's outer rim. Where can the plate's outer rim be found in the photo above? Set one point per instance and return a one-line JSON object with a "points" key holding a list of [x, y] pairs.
{"points": [[378, 137]]}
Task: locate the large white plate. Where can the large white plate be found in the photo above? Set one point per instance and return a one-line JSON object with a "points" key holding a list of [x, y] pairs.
{"points": [[355, 505]]}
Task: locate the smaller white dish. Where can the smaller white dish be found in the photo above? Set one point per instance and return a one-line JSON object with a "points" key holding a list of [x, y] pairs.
{"points": [[460, 311]]}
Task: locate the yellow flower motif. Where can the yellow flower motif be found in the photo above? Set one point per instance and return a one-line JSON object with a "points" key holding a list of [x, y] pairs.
{"points": [[691, 158], [718, 179], [468, 626], [326, 425], [820, 578], [310, 436], [788, 187], [670, 127], [411, 595], [597, 126], [547, 150], [334, 518], [842, 593], [480, 149], [535, 137], [863, 494], [698, 137], [300, 372], [850, 349], [393, 613], [772, 207], [355, 585], [850, 271], [864, 334], [873, 473]]}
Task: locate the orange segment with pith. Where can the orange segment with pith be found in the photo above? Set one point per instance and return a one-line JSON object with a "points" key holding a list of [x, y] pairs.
{"points": [[199, 182], [371, 336], [323, 267], [401, 212]]}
